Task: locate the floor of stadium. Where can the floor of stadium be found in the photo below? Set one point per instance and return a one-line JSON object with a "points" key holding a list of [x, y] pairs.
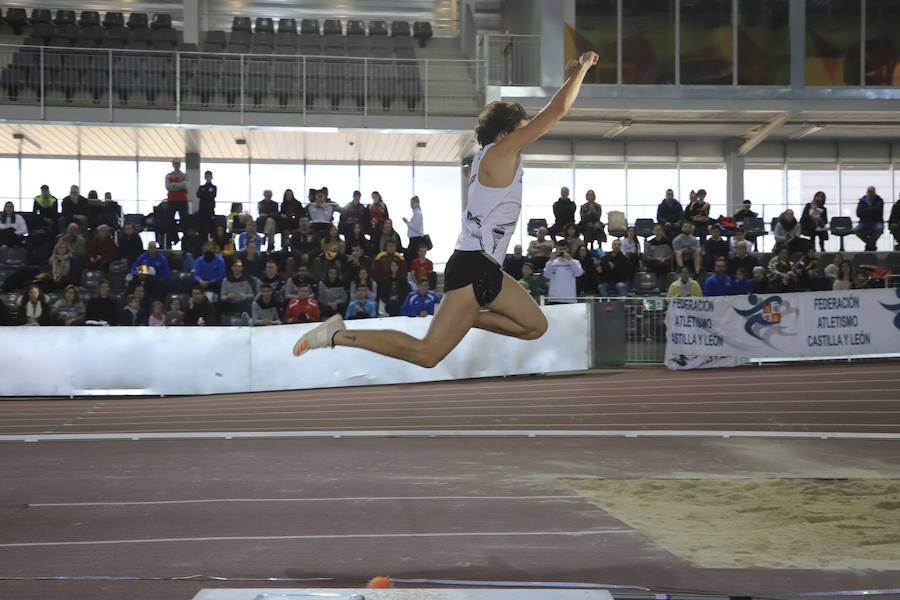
{"points": [[386, 489]]}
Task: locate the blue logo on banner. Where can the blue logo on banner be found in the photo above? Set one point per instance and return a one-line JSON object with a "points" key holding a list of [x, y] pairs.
{"points": [[894, 308], [763, 319]]}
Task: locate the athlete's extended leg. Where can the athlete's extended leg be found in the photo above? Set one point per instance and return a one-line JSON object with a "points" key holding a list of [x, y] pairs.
{"points": [[513, 312], [457, 315]]}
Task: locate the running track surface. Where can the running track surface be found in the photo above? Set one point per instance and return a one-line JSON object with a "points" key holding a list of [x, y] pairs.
{"points": [[477, 508]]}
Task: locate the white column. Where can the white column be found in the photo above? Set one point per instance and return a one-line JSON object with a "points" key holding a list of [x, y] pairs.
{"points": [[734, 179], [192, 166], [191, 31], [797, 20]]}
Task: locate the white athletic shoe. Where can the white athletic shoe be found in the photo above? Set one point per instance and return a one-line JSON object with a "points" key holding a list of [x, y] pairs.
{"points": [[320, 336]]}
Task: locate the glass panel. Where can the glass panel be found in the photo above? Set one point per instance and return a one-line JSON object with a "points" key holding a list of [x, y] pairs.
{"points": [[394, 183], [596, 28], [232, 181], [765, 189], [853, 186], [646, 189], [648, 41], [711, 180], [707, 55], [118, 177], [802, 185], [440, 191], [276, 178], [832, 42], [764, 45], [59, 173], [9, 186], [540, 191], [608, 185], [882, 43], [152, 184], [341, 181]]}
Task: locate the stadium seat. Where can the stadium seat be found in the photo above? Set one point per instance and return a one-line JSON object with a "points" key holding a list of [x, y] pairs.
{"points": [[400, 29], [287, 26], [645, 284], [17, 18], [138, 21], [90, 280], [644, 228], [422, 32], [41, 15], [534, 225], [89, 18], [44, 31], [113, 20], [14, 257], [356, 27], [264, 25], [241, 24], [755, 229], [841, 227], [309, 27], [64, 17], [377, 28], [861, 259], [161, 21], [136, 219], [332, 27], [286, 43], [214, 41], [892, 262]]}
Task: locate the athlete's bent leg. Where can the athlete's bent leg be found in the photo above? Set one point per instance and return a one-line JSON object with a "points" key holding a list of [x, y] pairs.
{"points": [[514, 313], [458, 313]]}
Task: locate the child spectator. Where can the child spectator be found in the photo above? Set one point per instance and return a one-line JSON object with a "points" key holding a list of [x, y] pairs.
{"points": [[157, 316], [132, 315], [421, 302], [362, 307], [532, 282], [302, 309], [421, 267], [393, 289], [175, 316], [363, 280]]}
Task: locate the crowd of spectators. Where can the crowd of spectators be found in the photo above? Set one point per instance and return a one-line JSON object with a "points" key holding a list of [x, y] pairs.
{"points": [[693, 254], [331, 259]]}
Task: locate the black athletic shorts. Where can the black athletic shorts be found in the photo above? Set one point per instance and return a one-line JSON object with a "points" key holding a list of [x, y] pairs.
{"points": [[472, 267]]}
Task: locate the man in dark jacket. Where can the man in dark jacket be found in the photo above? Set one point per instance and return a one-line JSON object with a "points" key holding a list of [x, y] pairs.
{"points": [[512, 264], [742, 259], [200, 310], [715, 247], [129, 243], [669, 214], [894, 223], [206, 212], [870, 211], [615, 270], [563, 213], [103, 308], [46, 207], [75, 209]]}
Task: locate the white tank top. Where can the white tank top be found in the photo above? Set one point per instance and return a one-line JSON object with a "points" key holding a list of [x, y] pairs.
{"points": [[490, 218]]}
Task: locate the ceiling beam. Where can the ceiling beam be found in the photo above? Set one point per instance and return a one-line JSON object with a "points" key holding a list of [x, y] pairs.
{"points": [[760, 136]]}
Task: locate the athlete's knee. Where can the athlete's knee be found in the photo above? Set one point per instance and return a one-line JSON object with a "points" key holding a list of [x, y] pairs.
{"points": [[536, 329], [430, 358]]}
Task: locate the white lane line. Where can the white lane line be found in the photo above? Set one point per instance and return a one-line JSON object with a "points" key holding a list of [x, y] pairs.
{"points": [[260, 410], [336, 499], [329, 536], [545, 431]]}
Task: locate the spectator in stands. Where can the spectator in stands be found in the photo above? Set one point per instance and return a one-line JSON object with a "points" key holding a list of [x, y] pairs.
{"points": [[378, 213], [415, 230], [572, 238], [670, 214], [223, 244], [894, 224], [787, 233], [321, 214], [861, 280], [739, 236], [174, 316], [237, 290], [363, 280], [386, 235], [272, 278], [631, 247], [814, 220], [13, 228], [590, 224], [177, 198], [191, 248], [200, 311], [512, 264], [332, 294], [615, 272], [685, 286], [562, 271], [291, 211], [266, 309], [144, 301], [209, 271], [362, 306], [233, 218], [103, 309], [781, 273], [586, 283], [152, 270], [540, 248], [532, 282], [422, 267], [157, 316], [870, 212], [832, 270], [269, 218], [810, 276], [300, 278], [421, 302], [698, 213], [101, 250], [760, 281], [686, 248], [75, 209], [563, 213], [845, 277], [73, 240], [132, 314], [741, 284], [357, 260], [250, 234], [393, 289], [744, 213], [34, 309], [742, 259], [716, 247], [61, 271], [305, 244], [381, 264], [46, 208], [332, 258], [129, 243], [333, 238], [355, 213], [658, 253], [719, 283], [204, 219], [254, 262], [302, 309], [69, 310], [357, 236]]}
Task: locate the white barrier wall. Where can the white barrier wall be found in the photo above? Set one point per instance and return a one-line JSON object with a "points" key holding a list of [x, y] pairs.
{"points": [[62, 361]]}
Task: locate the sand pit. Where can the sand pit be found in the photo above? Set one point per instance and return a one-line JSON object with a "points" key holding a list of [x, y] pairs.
{"points": [[767, 523]]}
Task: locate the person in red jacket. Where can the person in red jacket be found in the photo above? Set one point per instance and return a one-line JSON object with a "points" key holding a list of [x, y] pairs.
{"points": [[177, 200], [302, 309], [101, 250]]}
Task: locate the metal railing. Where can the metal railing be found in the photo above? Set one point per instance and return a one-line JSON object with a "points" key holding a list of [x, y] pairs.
{"points": [[511, 59], [300, 84]]}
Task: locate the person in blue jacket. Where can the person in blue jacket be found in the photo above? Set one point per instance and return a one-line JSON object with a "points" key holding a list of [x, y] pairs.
{"points": [[719, 283], [151, 269], [209, 271], [361, 307], [421, 302], [870, 211]]}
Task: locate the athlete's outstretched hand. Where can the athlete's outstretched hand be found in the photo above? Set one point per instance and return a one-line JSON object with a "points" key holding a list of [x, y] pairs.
{"points": [[589, 58]]}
